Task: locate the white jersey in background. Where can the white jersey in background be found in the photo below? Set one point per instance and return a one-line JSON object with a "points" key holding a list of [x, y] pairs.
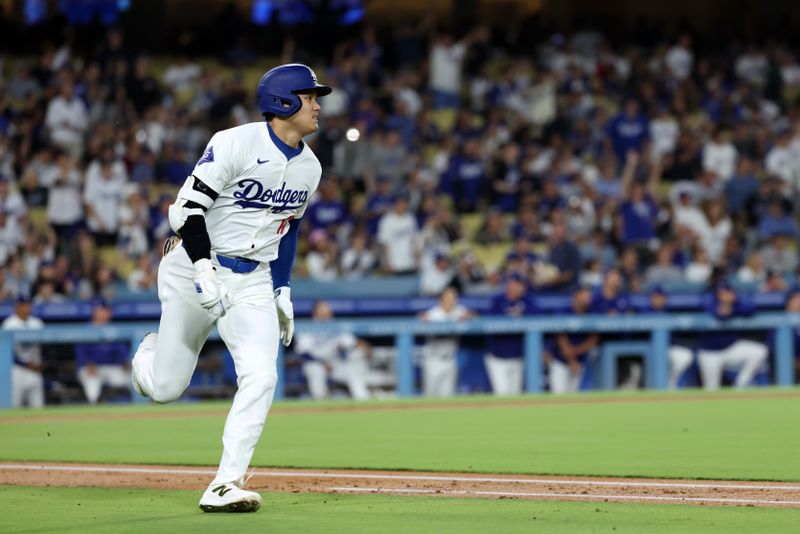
{"points": [[27, 385]]}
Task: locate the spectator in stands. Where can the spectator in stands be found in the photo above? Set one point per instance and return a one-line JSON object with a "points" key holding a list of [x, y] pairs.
{"points": [[64, 203], [719, 155], [27, 383], [741, 187], [779, 254], [638, 211], [627, 131], [507, 178], [67, 120], [379, 203], [398, 237], [699, 269], [776, 221], [144, 276], [565, 256], [327, 211], [436, 273], [754, 271], [566, 355], [722, 350], [465, 180], [446, 61], [336, 356], [358, 260], [494, 228], [503, 359], [322, 258], [664, 271], [102, 364], [439, 365], [105, 182]]}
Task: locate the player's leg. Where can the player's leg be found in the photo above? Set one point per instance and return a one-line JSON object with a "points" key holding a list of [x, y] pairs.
{"points": [[514, 372], [116, 376], [250, 331], [164, 368], [494, 368], [711, 363], [680, 358], [559, 376], [36, 391], [574, 380], [316, 379], [20, 385], [429, 377], [447, 386], [356, 369], [91, 382], [747, 356]]}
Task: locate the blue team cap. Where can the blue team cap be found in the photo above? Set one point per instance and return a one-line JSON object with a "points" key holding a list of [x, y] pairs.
{"points": [[22, 298]]}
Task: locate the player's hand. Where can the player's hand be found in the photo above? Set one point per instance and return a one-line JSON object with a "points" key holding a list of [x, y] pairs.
{"points": [[212, 293], [283, 301]]}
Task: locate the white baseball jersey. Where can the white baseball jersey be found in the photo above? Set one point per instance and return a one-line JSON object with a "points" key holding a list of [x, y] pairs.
{"points": [[259, 190], [25, 352], [325, 346], [443, 346]]}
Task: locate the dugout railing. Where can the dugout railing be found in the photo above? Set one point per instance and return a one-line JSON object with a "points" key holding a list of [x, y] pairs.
{"points": [[657, 327]]}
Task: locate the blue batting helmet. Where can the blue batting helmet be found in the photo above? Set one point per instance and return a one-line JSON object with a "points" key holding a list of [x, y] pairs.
{"points": [[278, 89]]}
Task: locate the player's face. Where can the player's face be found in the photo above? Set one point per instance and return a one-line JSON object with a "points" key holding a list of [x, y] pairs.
{"points": [[306, 120]]}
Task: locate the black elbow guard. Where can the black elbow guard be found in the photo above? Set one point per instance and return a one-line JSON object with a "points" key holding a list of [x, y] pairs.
{"points": [[195, 238]]}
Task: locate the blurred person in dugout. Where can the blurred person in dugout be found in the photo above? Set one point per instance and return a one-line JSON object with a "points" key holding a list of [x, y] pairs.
{"points": [[102, 364], [567, 354], [503, 360], [336, 356], [439, 365], [27, 384], [727, 349]]}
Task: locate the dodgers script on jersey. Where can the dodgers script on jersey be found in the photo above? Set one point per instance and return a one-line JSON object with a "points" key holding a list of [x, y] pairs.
{"points": [[260, 191]]}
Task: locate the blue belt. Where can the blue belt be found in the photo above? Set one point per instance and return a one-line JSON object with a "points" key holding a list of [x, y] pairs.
{"points": [[238, 265]]}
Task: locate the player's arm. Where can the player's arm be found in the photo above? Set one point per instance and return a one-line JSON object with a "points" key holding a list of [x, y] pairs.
{"points": [[187, 219], [281, 268]]}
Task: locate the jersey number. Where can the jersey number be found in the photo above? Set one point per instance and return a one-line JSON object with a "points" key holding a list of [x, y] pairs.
{"points": [[284, 223]]}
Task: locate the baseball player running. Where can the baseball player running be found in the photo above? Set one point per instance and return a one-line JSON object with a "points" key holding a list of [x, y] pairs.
{"points": [[237, 216]]}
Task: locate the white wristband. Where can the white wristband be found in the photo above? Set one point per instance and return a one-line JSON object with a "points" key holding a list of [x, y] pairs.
{"points": [[285, 291], [203, 265]]}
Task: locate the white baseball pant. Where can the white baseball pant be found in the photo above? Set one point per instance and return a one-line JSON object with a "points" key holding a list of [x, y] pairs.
{"points": [[439, 375], [562, 380], [250, 331], [351, 371], [745, 355], [505, 374], [680, 358], [112, 375], [27, 387]]}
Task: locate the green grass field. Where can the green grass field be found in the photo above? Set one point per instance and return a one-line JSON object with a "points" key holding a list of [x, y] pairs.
{"points": [[720, 436], [131, 510]]}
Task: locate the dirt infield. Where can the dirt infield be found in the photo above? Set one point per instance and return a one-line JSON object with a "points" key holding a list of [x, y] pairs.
{"points": [[700, 492]]}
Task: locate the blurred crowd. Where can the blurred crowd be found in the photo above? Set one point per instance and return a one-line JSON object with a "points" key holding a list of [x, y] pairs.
{"points": [[447, 156]]}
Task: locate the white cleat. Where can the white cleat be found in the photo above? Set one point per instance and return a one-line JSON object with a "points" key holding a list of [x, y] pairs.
{"points": [[148, 345], [229, 497]]}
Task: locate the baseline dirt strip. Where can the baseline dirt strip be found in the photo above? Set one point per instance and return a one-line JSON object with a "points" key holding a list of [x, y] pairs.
{"points": [[703, 492]]}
